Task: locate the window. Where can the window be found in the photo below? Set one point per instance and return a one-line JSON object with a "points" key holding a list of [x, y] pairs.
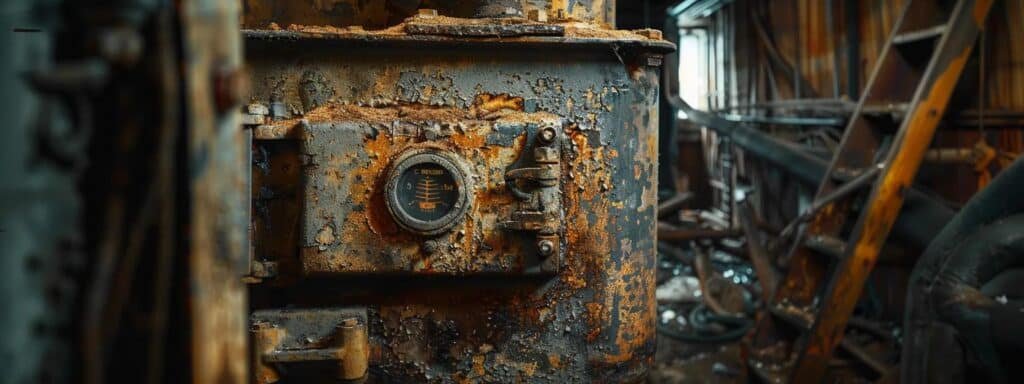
{"points": [[693, 67]]}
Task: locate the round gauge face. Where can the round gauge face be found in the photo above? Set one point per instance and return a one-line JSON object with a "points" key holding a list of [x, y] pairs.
{"points": [[426, 191]]}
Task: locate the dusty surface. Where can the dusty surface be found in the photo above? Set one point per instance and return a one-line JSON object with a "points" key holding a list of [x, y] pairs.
{"points": [[380, 14], [680, 363], [396, 30], [573, 29], [437, 313]]}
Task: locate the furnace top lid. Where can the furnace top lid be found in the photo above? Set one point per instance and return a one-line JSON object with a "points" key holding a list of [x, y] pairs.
{"points": [[443, 30]]}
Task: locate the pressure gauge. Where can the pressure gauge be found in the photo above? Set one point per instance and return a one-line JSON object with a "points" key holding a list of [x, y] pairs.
{"points": [[426, 191]]}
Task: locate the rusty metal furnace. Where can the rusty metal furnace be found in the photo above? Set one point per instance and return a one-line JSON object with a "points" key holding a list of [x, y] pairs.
{"points": [[454, 200]]}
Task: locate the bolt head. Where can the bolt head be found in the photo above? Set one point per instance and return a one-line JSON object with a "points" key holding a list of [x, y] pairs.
{"points": [[430, 246], [547, 135], [426, 12], [538, 15], [546, 247]]}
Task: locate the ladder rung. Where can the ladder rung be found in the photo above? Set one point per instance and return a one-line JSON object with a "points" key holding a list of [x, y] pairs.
{"points": [[920, 67], [828, 245], [767, 374], [919, 35], [802, 319], [896, 110], [852, 179], [843, 174], [860, 353], [791, 314]]}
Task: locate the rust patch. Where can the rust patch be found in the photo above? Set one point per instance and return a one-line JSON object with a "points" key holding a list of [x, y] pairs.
{"points": [[555, 361], [477, 244], [573, 29], [589, 238], [486, 104], [396, 30], [477, 328], [326, 236]]}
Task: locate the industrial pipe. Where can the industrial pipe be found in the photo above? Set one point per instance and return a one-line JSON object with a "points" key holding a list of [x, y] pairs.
{"points": [[999, 200], [956, 292]]}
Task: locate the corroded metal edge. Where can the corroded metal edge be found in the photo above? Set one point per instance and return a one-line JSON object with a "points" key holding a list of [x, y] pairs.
{"points": [[382, 40]]}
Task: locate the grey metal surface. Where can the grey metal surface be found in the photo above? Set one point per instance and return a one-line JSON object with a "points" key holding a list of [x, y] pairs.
{"points": [[594, 319], [38, 205]]}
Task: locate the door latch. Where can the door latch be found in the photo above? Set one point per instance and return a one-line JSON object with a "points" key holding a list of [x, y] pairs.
{"points": [[538, 189]]}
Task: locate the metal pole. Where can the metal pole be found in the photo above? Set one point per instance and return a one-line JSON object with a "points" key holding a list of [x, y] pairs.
{"points": [[852, 18]]}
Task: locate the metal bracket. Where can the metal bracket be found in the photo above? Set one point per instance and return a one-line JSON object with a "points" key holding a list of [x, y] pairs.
{"points": [[544, 176], [540, 200], [306, 335]]}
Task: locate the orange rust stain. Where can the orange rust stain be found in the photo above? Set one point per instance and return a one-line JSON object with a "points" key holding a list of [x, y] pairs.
{"points": [[652, 145], [591, 21], [477, 244], [464, 140], [478, 364], [634, 307], [574, 281], [555, 361], [485, 104], [980, 11], [377, 216], [589, 240], [598, 316], [370, 190], [529, 369], [397, 30]]}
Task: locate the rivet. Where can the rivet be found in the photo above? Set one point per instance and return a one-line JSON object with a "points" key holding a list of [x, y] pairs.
{"points": [[547, 135], [546, 247]]}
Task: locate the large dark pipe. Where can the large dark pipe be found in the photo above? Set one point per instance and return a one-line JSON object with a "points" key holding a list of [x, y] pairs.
{"points": [[921, 218], [956, 294], [947, 259]]}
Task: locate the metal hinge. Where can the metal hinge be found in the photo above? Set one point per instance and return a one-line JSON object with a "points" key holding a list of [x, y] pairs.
{"points": [[538, 189]]}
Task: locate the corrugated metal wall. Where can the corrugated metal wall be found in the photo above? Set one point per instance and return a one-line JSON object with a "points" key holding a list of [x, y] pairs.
{"points": [[800, 29], [806, 37]]}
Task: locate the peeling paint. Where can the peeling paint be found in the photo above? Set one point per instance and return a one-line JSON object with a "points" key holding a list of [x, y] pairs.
{"points": [[464, 306]]}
